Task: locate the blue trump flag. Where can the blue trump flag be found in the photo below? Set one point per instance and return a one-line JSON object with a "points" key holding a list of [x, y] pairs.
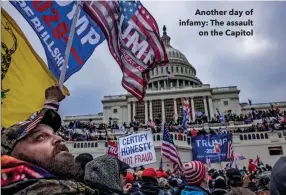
{"points": [[52, 20], [213, 147]]}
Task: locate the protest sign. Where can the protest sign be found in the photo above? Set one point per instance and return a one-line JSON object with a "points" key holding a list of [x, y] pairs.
{"points": [[137, 149], [112, 149], [51, 21], [217, 148]]}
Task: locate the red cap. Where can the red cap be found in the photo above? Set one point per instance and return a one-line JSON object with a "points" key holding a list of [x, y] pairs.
{"points": [[159, 174], [165, 175], [129, 178], [150, 172]]}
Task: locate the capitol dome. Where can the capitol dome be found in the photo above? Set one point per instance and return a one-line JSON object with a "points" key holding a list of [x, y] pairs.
{"points": [[178, 73]]}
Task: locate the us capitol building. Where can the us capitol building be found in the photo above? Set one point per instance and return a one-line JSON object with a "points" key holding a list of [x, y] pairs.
{"points": [[163, 98]]}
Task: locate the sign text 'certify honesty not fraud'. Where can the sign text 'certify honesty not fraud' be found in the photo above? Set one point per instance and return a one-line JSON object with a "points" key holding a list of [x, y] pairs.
{"points": [[137, 149]]}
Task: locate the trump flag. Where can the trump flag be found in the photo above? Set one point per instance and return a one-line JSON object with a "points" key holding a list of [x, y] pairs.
{"points": [[133, 39], [52, 20], [213, 147]]}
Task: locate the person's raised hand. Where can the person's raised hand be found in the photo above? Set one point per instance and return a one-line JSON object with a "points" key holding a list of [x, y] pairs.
{"points": [[54, 93]]}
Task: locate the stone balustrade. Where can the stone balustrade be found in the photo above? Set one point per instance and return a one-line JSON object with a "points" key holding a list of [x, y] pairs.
{"points": [[182, 140]]}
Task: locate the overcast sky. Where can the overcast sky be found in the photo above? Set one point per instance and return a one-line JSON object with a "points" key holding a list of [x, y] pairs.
{"points": [[257, 64]]}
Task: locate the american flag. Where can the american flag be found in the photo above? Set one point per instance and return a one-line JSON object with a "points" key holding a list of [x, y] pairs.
{"points": [[208, 162], [187, 110], [169, 150], [229, 150], [133, 40], [170, 75]]}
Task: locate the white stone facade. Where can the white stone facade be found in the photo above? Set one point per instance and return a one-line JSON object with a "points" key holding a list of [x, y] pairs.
{"points": [[247, 148], [124, 108]]}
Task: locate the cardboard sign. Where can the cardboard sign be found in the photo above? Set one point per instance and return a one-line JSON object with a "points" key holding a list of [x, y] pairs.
{"points": [[137, 149]]}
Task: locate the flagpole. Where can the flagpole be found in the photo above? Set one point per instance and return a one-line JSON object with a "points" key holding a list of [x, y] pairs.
{"points": [[69, 44]]}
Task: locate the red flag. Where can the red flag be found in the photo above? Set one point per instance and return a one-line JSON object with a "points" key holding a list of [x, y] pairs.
{"points": [[112, 149]]}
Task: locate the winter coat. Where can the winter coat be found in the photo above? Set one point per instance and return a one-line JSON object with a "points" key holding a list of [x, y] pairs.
{"points": [[219, 191], [194, 190], [150, 187]]}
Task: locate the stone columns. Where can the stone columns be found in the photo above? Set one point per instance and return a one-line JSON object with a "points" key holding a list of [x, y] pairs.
{"points": [[163, 111], [165, 84], [159, 86], [211, 107], [129, 112], [171, 83], [184, 83], [151, 111], [175, 110], [193, 109], [146, 112], [134, 110], [206, 107], [178, 84], [153, 86]]}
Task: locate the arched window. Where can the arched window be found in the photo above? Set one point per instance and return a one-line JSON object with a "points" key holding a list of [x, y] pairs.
{"points": [[176, 138], [266, 136], [182, 71], [257, 136], [177, 69], [240, 137], [92, 144], [88, 145], [85, 145], [74, 145], [78, 145], [95, 144], [249, 136], [81, 145], [172, 69], [245, 137], [262, 136], [253, 136], [172, 137]]}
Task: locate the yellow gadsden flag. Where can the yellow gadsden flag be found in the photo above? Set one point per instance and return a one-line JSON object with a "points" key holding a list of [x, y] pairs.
{"points": [[24, 75]]}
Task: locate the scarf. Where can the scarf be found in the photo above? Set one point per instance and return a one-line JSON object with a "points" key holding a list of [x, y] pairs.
{"points": [[14, 170]]}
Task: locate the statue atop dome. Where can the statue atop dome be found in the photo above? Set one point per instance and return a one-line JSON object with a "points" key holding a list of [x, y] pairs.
{"points": [[164, 30], [165, 38]]}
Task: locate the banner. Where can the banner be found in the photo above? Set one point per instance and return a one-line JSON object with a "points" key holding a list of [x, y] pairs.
{"points": [[52, 20], [213, 147], [24, 75], [112, 149], [133, 39], [137, 149]]}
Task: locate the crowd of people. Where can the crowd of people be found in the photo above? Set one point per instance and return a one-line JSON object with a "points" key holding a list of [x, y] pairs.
{"points": [[35, 160], [270, 120], [196, 180]]}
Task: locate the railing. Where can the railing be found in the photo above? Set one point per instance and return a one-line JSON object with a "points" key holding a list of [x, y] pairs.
{"points": [[254, 136], [183, 140]]}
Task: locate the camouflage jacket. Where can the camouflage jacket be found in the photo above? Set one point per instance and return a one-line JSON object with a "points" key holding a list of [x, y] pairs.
{"points": [[47, 187]]}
